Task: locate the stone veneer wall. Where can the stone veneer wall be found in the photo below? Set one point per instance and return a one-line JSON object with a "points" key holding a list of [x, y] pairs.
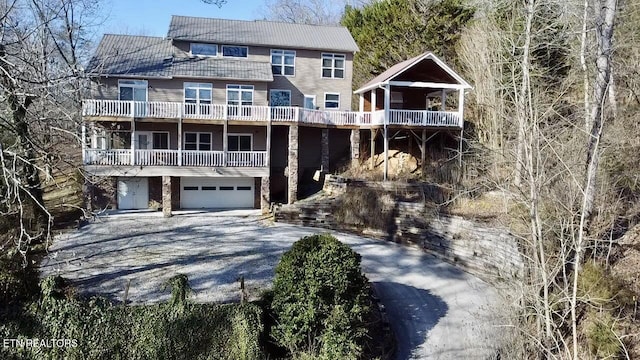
{"points": [[485, 250]]}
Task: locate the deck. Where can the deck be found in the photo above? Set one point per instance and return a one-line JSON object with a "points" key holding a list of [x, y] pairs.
{"points": [[117, 109]]}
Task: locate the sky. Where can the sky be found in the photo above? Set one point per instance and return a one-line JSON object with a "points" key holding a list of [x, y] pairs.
{"points": [[151, 17]]}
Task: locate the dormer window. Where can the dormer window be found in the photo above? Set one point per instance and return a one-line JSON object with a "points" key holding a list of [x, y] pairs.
{"points": [[235, 51], [201, 49]]}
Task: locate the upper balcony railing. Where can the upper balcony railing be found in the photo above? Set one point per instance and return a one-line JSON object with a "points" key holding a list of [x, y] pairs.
{"points": [[193, 158], [174, 110]]}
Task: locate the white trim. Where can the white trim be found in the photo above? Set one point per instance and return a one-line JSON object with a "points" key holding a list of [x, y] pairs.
{"points": [[236, 46], [197, 86], [272, 90], [325, 100], [240, 134], [295, 55], [168, 139], [333, 67], [462, 83], [425, 84], [203, 55], [184, 140]]}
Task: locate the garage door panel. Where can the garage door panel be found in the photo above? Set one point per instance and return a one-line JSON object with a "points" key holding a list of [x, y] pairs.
{"points": [[199, 193]]}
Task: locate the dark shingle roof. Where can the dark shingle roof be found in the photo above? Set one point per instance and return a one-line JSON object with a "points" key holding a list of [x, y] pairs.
{"points": [[132, 55], [143, 56], [231, 69], [262, 33]]}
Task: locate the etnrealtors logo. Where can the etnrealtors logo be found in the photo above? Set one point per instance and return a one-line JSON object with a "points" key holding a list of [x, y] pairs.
{"points": [[40, 343]]}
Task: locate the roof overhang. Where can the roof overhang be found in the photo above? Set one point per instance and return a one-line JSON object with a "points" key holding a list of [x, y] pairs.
{"points": [[388, 78]]}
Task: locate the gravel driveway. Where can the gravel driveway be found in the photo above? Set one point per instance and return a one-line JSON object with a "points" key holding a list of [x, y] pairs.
{"points": [[436, 310]]}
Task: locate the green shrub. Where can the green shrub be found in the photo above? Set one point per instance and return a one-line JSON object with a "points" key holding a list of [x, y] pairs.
{"points": [[602, 340], [598, 287], [321, 299], [17, 282], [107, 331]]}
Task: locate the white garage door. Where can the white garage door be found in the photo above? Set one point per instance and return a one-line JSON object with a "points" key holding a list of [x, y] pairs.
{"points": [[202, 193], [133, 193]]}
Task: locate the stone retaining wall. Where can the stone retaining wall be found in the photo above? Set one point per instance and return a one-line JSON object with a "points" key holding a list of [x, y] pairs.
{"points": [[480, 248]]}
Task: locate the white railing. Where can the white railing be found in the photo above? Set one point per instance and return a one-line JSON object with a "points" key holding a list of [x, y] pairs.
{"points": [[117, 108], [247, 158], [157, 157], [108, 157], [285, 113], [202, 158], [424, 118]]}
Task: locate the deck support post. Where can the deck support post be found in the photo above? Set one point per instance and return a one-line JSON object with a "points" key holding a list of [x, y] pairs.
{"points": [[166, 196], [372, 158], [387, 105], [225, 140], [324, 151], [265, 194], [355, 146], [292, 165], [268, 154], [460, 151], [180, 141], [423, 152], [83, 142], [461, 123], [133, 141]]}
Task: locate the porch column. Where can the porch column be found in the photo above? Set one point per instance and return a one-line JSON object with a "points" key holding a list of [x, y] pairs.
{"points": [[133, 141], [374, 99], [268, 154], [225, 141], [443, 96], [461, 106], [324, 145], [387, 105], [83, 141], [374, 133], [265, 194], [293, 165], [361, 103], [166, 196], [179, 141], [355, 146]]}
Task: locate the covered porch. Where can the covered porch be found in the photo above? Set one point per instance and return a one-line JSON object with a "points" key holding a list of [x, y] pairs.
{"points": [[417, 93]]}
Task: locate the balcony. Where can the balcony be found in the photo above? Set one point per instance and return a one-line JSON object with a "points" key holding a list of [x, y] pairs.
{"points": [[123, 157], [284, 114]]}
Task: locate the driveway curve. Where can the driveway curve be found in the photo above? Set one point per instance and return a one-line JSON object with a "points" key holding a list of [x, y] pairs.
{"points": [[436, 310]]}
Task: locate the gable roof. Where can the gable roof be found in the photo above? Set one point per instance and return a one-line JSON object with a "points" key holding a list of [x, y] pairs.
{"points": [[154, 57], [143, 56], [399, 68], [261, 33]]}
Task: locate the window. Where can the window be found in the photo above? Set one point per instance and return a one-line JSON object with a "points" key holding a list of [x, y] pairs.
{"points": [[235, 51], [331, 101], [190, 188], [134, 90], [283, 62], [208, 188], [237, 97], [226, 187], [310, 102], [396, 100], [160, 140], [280, 98], [200, 49], [333, 66], [197, 98], [197, 141], [243, 188], [239, 142]]}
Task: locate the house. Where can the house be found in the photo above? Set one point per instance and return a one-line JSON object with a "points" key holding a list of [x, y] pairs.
{"points": [[234, 114]]}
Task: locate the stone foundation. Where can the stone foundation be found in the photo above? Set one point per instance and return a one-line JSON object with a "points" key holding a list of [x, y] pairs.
{"points": [[292, 165]]}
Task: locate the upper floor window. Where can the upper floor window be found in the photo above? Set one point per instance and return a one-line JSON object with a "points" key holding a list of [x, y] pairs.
{"points": [[280, 97], [197, 98], [333, 66], [283, 62], [235, 51], [331, 100], [202, 49], [133, 90]]}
